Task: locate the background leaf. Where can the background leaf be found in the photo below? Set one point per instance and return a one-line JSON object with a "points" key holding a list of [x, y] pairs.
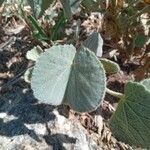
{"points": [[39, 6], [51, 74], [70, 7], [87, 83], [1, 2], [34, 53], [131, 121], [95, 43], [110, 66]]}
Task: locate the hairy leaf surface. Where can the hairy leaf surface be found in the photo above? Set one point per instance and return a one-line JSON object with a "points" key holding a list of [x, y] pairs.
{"points": [[51, 74], [131, 121], [86, 86]]}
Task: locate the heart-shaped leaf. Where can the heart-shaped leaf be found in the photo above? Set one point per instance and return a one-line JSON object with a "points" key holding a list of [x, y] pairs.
{"points": [[131, 121], [62, 75]]}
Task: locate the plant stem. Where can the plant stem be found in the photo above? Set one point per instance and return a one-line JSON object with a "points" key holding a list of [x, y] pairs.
{"points": [[115, 94]]}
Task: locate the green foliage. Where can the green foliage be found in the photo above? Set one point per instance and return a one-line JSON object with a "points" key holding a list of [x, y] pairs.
{"points": [[95, 43], [38, 31], [62, 75], [86, 86], [70, 7], [58, 28], [140, 40], [39, 6], [1, 2], [131, 121], [91, 5], [110, 66]]}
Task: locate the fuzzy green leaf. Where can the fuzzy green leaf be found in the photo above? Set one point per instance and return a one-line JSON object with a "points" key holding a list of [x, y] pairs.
{"points": [[131, 121], [110, 66], [95, 43], [1, 2], [86, 86]]}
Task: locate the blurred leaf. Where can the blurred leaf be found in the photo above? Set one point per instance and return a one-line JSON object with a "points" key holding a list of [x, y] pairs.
{"points": [[70, 7], [39, 6], [110, 66], [140, 40], [91, 5], [131, 121], [95, 43], [38, 30], [58, 29]]}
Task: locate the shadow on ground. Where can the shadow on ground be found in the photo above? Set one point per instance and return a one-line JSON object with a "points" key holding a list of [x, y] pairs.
{"points": [[23, 107]]}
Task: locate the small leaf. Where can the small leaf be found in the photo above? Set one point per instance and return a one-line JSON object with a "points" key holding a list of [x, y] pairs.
{"points": [[87, 83], [28, 75], [38, 30], [34, 53], [131, 121], [95, 43], [51, 74], [110, 66], [140, 40]]}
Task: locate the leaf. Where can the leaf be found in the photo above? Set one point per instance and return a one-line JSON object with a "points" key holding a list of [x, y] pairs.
{"points": [[110, 66], [34, 53], [51, 74], [91, 5], [62, 75], [86, 86], [38, 30], [95, 43], [1, 2], [39, 6], [146, 83], [131, 121], [58, 29], [28, 75], [140, 40], [70, 7]]}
